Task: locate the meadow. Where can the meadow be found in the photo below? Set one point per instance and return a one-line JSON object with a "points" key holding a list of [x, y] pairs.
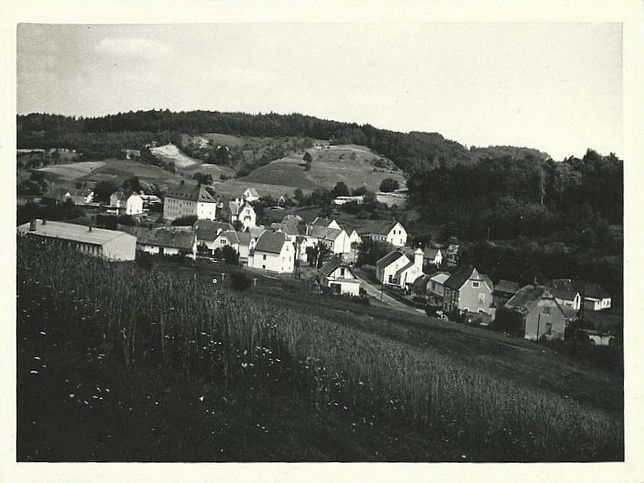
{"points": [[179, 355]]}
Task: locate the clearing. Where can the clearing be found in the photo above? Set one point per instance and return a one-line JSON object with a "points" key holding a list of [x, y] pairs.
{"points": [[72, 171], [171, 154]]}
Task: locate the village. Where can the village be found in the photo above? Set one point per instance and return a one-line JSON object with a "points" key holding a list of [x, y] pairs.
{"points": [[192, 222]]}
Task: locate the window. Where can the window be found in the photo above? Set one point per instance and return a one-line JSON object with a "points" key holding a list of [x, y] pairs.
{"points": [[342, 272], [391, 278], [548, 328], [476, 284], [263, 257], [546, 310], [481, 298]]}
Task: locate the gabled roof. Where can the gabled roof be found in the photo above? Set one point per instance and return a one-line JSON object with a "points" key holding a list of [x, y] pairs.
{"points": [[231, 236], [244, 238], [377, 228], [162, 237], [529, 296], [210, 229], [191, 193], [459, 277], [252, 192], [563, 289], [431, 253], [256, 231], [323, 232], [420, 284], [506, 287], [440, 277], [72, 232], [270, 242], [389, 258], [591, 290], [403, 269], [333, 264], [288, 228], [325, 222]]}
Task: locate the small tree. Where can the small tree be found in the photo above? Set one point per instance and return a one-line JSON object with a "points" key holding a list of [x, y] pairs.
{"points": [[389, 184], [230, 255], [188, 220], [340, 189]]}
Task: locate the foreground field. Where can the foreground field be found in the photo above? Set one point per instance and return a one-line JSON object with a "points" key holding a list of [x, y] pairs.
{"points": [[138, 365]]}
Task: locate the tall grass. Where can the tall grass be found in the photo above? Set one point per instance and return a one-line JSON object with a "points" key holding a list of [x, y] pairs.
{"points": [[130, 315]]}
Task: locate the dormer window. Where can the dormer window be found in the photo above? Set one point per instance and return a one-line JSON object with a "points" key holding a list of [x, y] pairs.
{"points": [[476, 284]]}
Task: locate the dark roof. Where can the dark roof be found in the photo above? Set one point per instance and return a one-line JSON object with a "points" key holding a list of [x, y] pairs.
{"points": [[377, 227], [431, 253], [459, 277], [389, 258], [191, 193], [420, 284], [325, 222], [289, 228], [270, 242], [563, 288], [244, 237], [334, 263], [591, 290], [162, 237], [323, 232], [209, 229], [529, 296], [403, 268], [231, 236], [506, 287]]}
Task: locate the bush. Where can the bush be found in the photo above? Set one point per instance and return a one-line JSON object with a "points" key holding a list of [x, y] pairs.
{"points": [[184, 220], [239, 281], [389, 184]]}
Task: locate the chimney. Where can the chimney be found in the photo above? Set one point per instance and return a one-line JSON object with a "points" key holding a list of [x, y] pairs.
{"points": [[32, 224]]}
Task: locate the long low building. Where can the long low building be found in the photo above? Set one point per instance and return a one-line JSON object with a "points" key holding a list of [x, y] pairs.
{"points": [[109, 244]]}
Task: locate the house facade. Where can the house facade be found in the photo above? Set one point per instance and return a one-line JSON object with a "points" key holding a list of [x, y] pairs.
{"points": [[565, 293], [164, 241], [339, 277], [594, 295], [243, 212], [466, 290], [130, 203], [250, 195], [273, 253], [208, 231], [390, 232], [398, 270], [189, 201]]}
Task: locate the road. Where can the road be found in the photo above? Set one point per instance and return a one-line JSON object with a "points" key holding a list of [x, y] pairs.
{"points": [[374, 291]]}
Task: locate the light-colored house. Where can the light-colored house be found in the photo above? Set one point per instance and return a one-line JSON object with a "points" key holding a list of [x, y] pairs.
{"points": [[335, 238], [408, 274], [250, 195], [451, 254], [339, 277], [594, 295], [432, 256], [109, 244], [189, 201], [342, 200], [208, 230], [273, 252], [164, 241], [565, 293], [391, 232], [243, 212], [539, 313], [325, 223], [60, 195], [397, 197], [467, 290], [128, 203], [436, 286], [396, 269]]}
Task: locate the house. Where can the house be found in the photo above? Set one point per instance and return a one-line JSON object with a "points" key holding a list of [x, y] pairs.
{"points": [[164, 241], [109, 244], [565, 293], [595, 297], [273, 253], [189, 201], [436, 287], [250, 195], [208, 230], [354, 238], [242, 211], [538, 313], [61, 195], [130, 153], [397, 197], [341, 200], [335, 238], [391, 232], [339, 277], [325, 223], [432, 256], [130, 203], [451, 254], [468, 291], [504, 291], [398, 270]]}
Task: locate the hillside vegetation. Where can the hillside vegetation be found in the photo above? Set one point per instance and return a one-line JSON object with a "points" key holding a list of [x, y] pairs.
{"points": [[196, 373]]}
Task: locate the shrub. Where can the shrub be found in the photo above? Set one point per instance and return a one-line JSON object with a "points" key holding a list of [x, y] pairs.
{"points": [[184, 220], [239, 281]]}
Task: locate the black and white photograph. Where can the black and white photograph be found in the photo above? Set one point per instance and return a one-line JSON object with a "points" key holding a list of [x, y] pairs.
{"points": [[308, 240]]}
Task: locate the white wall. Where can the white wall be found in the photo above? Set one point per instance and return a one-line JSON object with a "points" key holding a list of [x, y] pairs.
{"points": [[392, 268], [134, 205], [397, 236], [283, 262], [206, 211]]}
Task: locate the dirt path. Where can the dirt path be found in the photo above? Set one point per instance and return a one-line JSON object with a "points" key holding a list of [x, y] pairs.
{"points": [[375, 292]]}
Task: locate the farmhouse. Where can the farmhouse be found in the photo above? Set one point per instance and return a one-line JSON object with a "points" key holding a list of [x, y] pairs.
{"points": [[391, 232], [243, 212], [325, 223], [467, 290], [189, 201], [432, 256], [131, 203], [339, 277], [60, 195], [164, 241], [538, 313], [208, 230], [504, 291], [109, 244], [396, 269], [595, 297], [335, 238], [273, 253], [436, 287], [250, 195]]}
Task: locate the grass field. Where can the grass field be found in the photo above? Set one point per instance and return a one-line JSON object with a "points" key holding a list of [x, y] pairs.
{"points": [[72, 171], [120, 169], [198, 373], [353, 165]]}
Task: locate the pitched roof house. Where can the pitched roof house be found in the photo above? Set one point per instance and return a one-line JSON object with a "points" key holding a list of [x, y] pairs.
{"points": [[189, 201], [273, 252], [563, 290], [250, 195], [540, 314], [398, 270], [339, 276], [243, 212], [164, 241], [467, 290], [130, 202], [386, 231], [595, 297], [504, 291], [208, 230]]}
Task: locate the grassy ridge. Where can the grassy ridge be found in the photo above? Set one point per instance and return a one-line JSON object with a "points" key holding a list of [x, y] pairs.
{"points": [[133, 318]]}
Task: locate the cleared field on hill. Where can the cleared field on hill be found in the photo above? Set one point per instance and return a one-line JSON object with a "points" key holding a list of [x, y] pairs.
{"points": [[354, 165], [119, 170], [235, 188], [72, 171], [171, 154]]}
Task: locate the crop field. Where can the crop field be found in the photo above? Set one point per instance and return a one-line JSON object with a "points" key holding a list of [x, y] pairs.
{"points": [[353, 165], [72, 171], [120, 169], [235, 188], [148, 365]]}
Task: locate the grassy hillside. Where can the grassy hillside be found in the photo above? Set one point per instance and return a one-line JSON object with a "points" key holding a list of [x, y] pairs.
{"points": [[195, 372]]}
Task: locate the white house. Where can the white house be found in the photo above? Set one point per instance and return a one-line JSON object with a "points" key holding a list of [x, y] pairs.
{"points": [[339, 277], [274, 253], [132, 203], [208, 230], [436, 285], [565, 293], [433, 256], [342, 200], [243, 212], [391, 232], [396, 269], [250, 195], [325, 223], [164, 241], [595, 297], [189, 201]]}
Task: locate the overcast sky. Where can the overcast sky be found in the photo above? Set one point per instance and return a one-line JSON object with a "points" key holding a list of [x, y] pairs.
{"points": [[554, 87]]}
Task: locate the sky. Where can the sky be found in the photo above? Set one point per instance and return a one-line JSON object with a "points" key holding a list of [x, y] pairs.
{"points": [[556, 87]]}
